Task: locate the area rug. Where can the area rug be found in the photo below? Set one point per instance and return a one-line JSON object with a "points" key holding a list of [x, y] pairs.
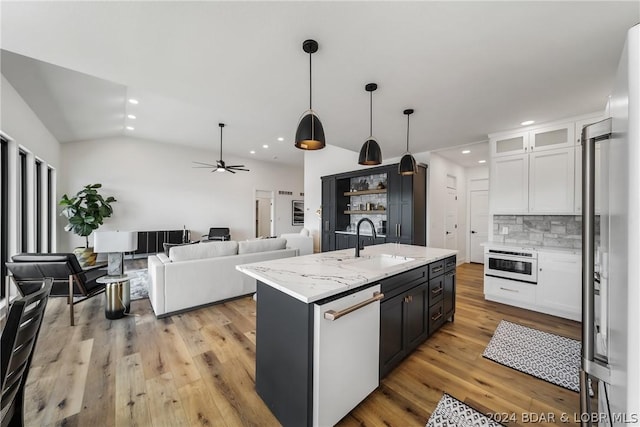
{"points": [[138, 283], [544, 355], [451, 412]]}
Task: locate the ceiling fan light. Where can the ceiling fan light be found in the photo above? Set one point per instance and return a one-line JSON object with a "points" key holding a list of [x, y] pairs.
{"points": [[407, 165], [370, 153], [310, 134]]}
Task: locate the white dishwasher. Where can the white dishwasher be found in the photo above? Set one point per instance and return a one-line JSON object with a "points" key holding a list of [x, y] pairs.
{"points": [[346, 350]]}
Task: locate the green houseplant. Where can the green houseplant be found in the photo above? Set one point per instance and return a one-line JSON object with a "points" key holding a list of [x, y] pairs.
{"points": [[86, 212]]}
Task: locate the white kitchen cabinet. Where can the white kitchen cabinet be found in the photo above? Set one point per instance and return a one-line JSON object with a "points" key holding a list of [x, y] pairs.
{"points": [[559, 291], [510, 144], [509, 183], [552, 181], [545, 138]]}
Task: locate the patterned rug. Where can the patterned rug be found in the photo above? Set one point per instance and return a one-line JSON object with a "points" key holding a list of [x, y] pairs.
{"points": [[138, 283], [546, 356], [450, 412]]}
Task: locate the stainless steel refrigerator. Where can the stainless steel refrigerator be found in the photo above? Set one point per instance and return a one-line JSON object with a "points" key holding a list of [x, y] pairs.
{"points": [[611, 257]]}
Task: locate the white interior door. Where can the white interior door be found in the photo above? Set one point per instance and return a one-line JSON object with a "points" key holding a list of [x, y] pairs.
{"points": [[263, 217], [451, 220], [478, 224]]}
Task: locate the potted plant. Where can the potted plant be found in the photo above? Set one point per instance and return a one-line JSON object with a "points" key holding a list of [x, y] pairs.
{"points": [[86, 212]]}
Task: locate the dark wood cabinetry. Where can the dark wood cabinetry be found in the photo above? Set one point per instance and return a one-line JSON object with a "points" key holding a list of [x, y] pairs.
{"points": [[405, 209], [151, 241], [415, 306]]}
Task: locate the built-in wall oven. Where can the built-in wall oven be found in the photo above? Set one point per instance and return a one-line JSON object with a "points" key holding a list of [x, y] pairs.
{"points": [[520, 265]]}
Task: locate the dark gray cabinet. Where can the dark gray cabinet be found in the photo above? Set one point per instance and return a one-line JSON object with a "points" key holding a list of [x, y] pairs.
{"points": [[150, 242], [405, 208], [414, 307]]}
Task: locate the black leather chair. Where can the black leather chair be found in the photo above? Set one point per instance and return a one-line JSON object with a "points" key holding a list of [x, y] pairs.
{"points": [[19, 338], [218, 233], [69, 279]]}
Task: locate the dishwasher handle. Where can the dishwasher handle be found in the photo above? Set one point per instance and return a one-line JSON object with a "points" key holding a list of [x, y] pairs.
{"points": [[335, 315]]}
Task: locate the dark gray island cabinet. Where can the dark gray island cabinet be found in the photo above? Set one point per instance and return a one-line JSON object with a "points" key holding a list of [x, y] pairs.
{"points": [[329, 326]]}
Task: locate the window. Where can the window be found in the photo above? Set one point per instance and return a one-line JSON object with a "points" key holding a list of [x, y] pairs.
{"points": [[23, 217], [4, 211], [38, 211], [50, 210]]}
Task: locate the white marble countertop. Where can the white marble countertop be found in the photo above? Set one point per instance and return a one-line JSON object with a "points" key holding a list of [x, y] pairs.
{"points": [[555, 249], [313, 277]]}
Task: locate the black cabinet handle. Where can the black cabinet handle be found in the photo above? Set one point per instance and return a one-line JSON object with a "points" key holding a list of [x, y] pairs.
{"points": [[436, 291], [437, 269], [434, 318]]}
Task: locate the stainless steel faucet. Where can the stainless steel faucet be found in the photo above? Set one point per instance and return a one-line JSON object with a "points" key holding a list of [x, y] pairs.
{"points": [[373, 231]]}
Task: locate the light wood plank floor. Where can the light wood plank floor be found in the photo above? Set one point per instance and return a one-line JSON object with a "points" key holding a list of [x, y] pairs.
{"points": [[198, 368]]}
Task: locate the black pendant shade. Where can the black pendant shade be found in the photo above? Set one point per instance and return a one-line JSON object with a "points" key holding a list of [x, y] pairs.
{"points": [[370, 153], [310, 134], [407, 164]]}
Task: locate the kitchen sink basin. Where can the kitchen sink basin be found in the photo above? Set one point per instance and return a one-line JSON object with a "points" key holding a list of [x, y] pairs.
{"points": [[377, 262]]}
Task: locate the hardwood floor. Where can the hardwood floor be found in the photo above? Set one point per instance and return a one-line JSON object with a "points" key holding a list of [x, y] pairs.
{"points": [[197, 368]]}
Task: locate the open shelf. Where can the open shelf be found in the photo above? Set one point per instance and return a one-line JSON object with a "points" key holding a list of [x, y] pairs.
{"points": [[363, 192], [372, 212]]}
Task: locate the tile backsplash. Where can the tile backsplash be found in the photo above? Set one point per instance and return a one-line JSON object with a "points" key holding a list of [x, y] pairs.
{"points": [[541, 230]]}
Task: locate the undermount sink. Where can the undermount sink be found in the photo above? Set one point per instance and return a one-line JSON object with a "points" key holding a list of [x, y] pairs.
{"points": [[377, 262]]}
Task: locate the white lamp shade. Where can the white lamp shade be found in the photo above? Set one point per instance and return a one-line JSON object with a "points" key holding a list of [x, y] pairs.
{"points": [[115, 241]]}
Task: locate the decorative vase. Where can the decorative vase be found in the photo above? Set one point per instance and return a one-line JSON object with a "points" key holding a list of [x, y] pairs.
{"points": [[86, 256]]}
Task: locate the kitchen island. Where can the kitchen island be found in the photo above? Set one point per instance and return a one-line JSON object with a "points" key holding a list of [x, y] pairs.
{"points": [[330, 325]]}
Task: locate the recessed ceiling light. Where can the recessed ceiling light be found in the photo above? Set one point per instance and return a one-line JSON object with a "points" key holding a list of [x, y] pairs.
{"points": [[482, 161], [252, 152], [265, 146], [131, 116], [130, 128], [133, 101], [466, 151], [528, 122], [280, 139]]}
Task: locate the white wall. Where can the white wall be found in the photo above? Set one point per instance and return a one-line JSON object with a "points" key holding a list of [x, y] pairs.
{"points": [[25, 130], [439, 168], [157, 188]]}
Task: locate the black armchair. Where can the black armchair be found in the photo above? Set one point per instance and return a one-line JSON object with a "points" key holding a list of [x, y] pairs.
{"points": [[69, 279], [218, 233], [19, 338]]}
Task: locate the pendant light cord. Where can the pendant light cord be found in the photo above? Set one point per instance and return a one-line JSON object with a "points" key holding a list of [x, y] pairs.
{"points": [[371, 113], [221, 142], [407, 133], [310, 81]]}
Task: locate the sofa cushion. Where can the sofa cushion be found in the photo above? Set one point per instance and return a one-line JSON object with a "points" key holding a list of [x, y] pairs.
{"points": [[201, 251], [261, 245]]}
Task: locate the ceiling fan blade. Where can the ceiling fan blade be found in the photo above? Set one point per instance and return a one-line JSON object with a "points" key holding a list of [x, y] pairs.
{"points": [[214, 169], [202, 167], [205, 164], [229, 170], [235, 166], [241, 169]]}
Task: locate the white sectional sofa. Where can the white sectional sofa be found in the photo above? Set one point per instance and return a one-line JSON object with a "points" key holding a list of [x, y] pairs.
{"points": [[204, 273], [301, 240]]}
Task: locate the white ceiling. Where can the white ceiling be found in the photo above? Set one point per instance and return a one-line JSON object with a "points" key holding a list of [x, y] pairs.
{"points": [[467, 68]]}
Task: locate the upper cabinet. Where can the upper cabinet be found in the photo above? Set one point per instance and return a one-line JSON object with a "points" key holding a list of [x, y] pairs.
{"points": [[534, 171], [547, 138]]}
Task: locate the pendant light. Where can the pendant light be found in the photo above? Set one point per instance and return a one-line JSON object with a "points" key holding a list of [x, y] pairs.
{"points": [[370, 153], [310, 135], [407, 164]]}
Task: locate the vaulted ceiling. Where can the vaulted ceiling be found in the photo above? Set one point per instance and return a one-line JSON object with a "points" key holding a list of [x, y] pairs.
{"points": [[467, 68]]}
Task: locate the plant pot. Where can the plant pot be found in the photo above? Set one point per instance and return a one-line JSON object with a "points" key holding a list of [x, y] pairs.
{"points": [[86, 256]]}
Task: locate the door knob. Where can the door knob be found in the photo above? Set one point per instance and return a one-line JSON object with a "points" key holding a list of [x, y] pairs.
{"points": [[448, 232], [473, 232]]}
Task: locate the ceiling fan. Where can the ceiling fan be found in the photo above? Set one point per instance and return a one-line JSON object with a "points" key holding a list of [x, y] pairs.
{"points": [[220, 166]]}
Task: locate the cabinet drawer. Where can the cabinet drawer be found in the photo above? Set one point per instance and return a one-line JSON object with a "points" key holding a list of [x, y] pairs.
{"points": [[402, 282], [450, 263], [436, 317], [509, 290], [436, 290], [436, 268]]}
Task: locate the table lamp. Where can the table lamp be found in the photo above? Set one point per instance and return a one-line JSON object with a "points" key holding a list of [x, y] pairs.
{"points": [[115, 243]]}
